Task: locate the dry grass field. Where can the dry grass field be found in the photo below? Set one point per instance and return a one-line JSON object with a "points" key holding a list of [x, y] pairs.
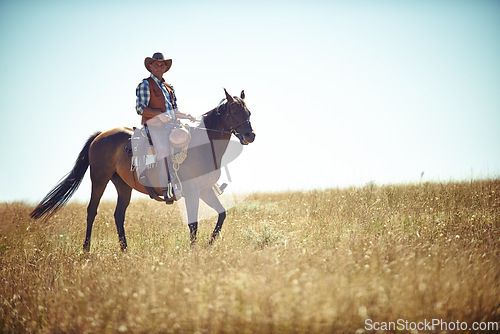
{"points": [[316, 262]]}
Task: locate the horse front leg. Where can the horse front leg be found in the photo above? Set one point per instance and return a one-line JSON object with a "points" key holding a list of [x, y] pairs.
{"points": [[218, 227], [192, 197], [193, 229], [210, 198]]}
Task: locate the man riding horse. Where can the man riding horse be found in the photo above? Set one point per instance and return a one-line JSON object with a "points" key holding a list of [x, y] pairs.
{"points": [[109, 160], [157, 103]]}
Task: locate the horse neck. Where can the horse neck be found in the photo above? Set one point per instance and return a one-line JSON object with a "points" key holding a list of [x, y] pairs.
{"points": [[213, 121], [216, 130]]}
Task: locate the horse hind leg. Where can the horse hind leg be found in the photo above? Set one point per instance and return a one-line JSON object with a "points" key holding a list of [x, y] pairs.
{"points": [[124, 193], [210, 198], [98, 187]]}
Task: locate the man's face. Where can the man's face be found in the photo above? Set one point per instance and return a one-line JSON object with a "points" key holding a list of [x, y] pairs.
{"points": [[158, 68]]}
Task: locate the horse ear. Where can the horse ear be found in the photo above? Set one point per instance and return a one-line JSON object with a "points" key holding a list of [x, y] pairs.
{"points": [[243, 94], [228, 97]]}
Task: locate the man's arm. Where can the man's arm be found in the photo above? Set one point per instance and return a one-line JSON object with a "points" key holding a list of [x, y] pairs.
{"points": [[142, 93], [182, 115]]}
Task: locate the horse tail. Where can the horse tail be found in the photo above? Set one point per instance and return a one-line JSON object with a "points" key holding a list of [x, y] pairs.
{"points": [[63, 191]]}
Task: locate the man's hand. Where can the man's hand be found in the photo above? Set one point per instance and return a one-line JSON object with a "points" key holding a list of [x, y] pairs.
{"points": [[185, 116], [164, 118]]}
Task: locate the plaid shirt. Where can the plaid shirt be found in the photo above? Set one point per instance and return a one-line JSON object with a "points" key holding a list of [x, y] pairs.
{"points": [[143, 95]]}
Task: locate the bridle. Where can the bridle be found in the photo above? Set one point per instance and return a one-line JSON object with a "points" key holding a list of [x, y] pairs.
{"points": [[234, 128]]}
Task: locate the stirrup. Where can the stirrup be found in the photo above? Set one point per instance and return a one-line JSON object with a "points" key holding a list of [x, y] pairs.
{"points": [[151, 192], [219, 190]]}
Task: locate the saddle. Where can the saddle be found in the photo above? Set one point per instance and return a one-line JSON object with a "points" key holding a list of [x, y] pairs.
{"points": [[179, 138], [144, 157]]}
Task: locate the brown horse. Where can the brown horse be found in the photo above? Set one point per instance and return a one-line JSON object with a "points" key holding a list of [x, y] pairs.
{"points": [[108, 160]]}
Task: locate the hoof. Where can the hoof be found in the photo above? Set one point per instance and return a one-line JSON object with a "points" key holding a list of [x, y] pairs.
{"points": [[193, 243], [214, 238]]}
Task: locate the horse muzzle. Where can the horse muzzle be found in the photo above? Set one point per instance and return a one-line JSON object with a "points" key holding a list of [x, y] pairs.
{"points": [[246, 138]]}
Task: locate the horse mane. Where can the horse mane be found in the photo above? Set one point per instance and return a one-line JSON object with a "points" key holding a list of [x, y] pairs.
{"points": [[210, 117]]}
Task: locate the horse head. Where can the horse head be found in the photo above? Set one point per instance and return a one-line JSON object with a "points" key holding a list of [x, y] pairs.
{"points": [[238, 118]]}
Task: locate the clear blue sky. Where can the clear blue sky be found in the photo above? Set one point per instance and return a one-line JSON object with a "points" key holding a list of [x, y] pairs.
{"points": [[341, 92]]}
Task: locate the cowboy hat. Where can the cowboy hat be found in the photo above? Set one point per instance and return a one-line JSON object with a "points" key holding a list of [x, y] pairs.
{"points": [[158, 56]]}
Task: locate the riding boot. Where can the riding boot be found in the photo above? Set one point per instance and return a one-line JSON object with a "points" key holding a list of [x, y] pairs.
{"points": [[167, 195], [169, 192]]}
